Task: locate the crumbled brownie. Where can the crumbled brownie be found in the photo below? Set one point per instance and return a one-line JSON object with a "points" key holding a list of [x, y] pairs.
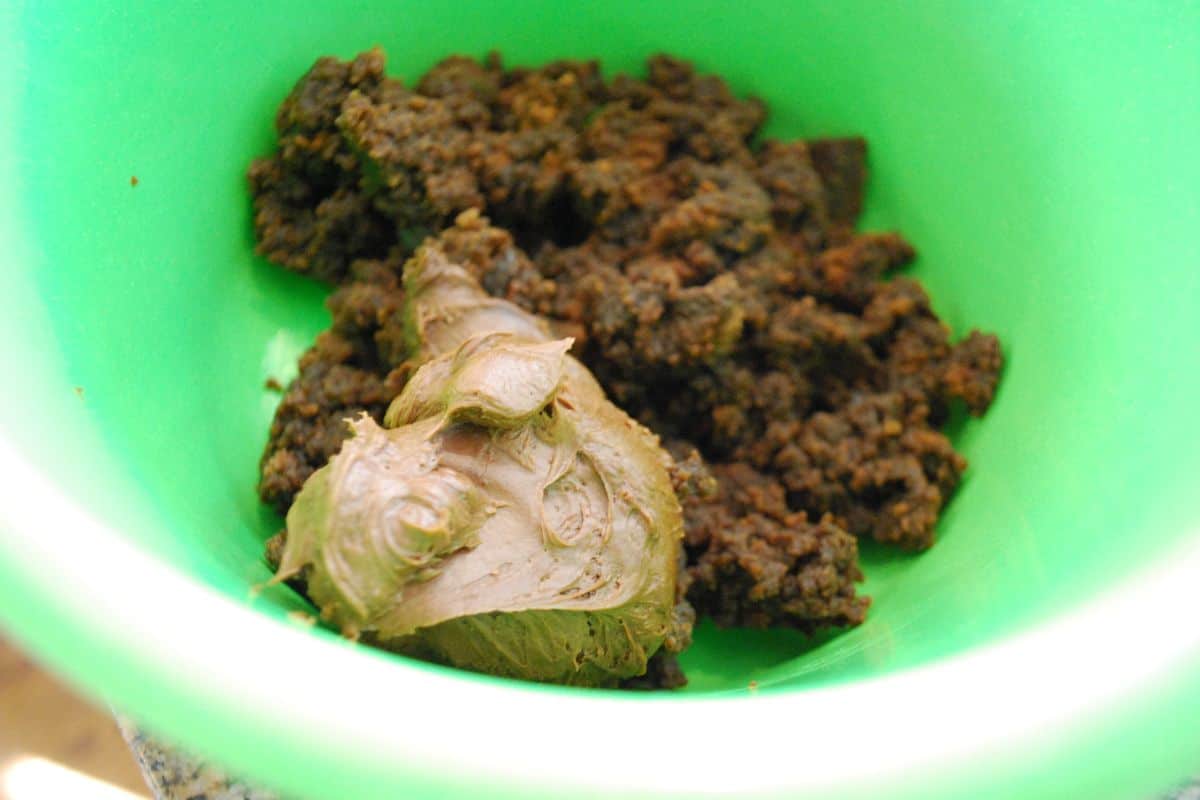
{"points": [[715, 285]]}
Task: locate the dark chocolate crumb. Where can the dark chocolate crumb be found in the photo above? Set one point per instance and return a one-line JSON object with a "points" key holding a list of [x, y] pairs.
{"points": [[717, 288]]}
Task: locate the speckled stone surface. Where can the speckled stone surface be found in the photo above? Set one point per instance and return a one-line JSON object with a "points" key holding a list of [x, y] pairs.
{"points": [[173, 776], [176, 777]]}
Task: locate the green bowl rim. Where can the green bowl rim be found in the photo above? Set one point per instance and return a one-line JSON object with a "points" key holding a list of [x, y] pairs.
{"points": [[237, 667]]}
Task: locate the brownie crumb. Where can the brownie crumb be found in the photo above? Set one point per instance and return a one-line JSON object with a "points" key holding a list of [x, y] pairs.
{"points": [[714, 284]]}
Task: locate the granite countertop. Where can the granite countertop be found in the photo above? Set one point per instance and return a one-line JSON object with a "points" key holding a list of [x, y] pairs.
{"points": [[174, 776]]}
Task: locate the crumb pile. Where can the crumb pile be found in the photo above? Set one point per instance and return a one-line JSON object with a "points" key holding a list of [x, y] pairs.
{"points": [[714, 284]]}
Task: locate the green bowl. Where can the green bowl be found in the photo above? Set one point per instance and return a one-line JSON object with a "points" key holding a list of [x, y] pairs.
{"points": [[1044, 159]]}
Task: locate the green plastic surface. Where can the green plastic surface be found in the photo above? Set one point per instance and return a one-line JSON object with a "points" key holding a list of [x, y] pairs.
{"points": [[1044, 158]]}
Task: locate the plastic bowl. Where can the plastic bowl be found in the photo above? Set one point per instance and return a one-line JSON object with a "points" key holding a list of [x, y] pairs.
{"points": [[1045, 160]]}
